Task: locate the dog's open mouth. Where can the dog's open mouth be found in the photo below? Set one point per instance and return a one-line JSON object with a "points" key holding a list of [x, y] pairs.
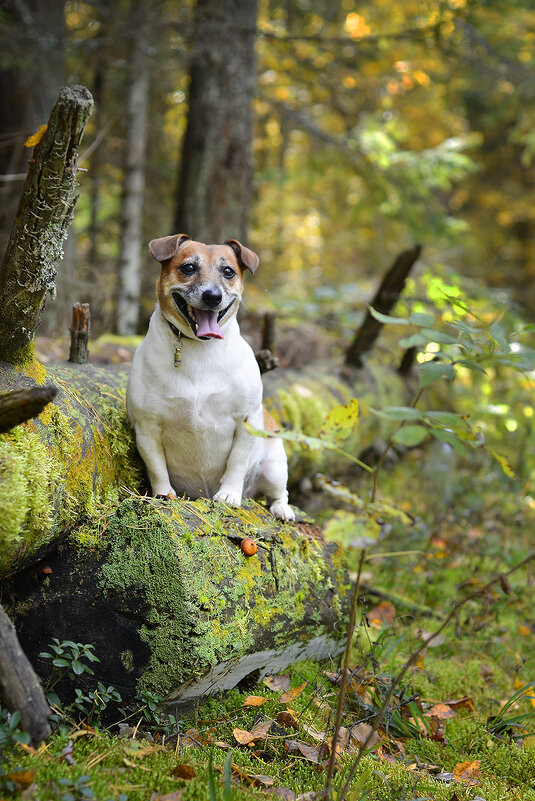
{"points": [[203, 322]]}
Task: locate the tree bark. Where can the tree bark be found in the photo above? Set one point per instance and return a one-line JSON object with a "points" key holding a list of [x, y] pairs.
{"points": [[130, 258], [215, 173], [45, 211], [22, 404], [20, 689], [384, 301]]}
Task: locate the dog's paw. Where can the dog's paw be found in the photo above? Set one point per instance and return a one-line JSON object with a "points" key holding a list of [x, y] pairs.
{"points": [[169, 496], [228, 496], [282, 510]]}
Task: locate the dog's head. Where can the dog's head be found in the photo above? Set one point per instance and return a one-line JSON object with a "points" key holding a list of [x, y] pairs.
{"points": [[200, 286]]}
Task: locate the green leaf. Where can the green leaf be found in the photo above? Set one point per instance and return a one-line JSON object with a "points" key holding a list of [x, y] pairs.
{"points": [[399, 413], [422, 319], [472, 365], [504, 463], [499, 335], [77, 667], [60, 662], [411, 435], [451, 439], [450, 419], [385, 318], [432, 371], [352, 531], [439, 336], [414, 341], [341, 421]]}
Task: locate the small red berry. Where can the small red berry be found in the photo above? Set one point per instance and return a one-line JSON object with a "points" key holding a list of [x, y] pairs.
{"points": [[249, 546]]}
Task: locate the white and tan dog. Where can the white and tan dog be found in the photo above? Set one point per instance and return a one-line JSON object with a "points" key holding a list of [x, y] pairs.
{"points": [[195, 380]]}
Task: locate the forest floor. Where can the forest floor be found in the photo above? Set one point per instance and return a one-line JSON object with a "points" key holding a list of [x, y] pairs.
{"points": [[460, 726]]}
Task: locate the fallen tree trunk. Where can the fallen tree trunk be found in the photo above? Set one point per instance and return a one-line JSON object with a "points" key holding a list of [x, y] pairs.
{"points": [[186, 611], [78, 458]]}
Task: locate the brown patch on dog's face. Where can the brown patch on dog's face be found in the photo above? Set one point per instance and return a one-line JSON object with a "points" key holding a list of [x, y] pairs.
{"points": [[200, 288]]}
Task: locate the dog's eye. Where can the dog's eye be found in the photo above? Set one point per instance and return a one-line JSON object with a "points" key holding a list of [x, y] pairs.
{"points": [[228, 272], [188, 269]]}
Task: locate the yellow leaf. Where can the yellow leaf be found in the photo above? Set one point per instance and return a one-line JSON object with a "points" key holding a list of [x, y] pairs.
{"points": [[504, 464], [341, 421], [291, 695], [35, 138], [254, 700]]}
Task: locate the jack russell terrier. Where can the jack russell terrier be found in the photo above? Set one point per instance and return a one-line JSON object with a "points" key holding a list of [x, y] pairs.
{"points": [[195, 380]]}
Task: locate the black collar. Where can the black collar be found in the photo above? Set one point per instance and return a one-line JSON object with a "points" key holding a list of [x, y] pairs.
{"points": [[176, 332]]}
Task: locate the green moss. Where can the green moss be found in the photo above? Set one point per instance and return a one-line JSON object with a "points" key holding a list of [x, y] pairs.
{"points": [[61, 470], [204, 602]]}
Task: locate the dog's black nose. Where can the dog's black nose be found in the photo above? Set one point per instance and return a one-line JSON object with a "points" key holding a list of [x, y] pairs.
{"points": [[212, 297]]}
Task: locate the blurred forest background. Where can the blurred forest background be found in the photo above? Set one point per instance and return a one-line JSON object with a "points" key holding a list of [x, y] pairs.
{"points": [[334, 134]]}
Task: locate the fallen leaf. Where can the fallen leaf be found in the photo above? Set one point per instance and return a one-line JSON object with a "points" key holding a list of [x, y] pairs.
{"points": [[35, 138], [468, 771], [254, 700], [283, 792], [384, 612], [67, 753], [440, 711], [22, 777], [288, 719], [191, 739], [524, 631], [221, 744], [485, 671], [176, 795], [461, 703], [184, 772], [290, 695], [445, 777], [314, 753], [258, 732], [256, 779], [434, 639], [277, 683], [320, 736], [361, 731]]}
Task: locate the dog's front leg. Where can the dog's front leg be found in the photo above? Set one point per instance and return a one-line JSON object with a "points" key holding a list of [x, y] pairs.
{"points": [[150, 447], [231, 489]]}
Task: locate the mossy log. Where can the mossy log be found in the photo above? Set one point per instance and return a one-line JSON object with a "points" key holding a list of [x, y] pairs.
{"points": [[67, 468], [173, 606]]}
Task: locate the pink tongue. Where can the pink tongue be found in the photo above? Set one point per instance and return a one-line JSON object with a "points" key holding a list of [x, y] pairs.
{"points": [[207, 324]]}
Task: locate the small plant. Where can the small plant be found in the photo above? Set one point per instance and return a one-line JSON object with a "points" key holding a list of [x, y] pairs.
{"points": [[76, 789], [10, 736], [504, 725], [68, 659], [150, 708]]}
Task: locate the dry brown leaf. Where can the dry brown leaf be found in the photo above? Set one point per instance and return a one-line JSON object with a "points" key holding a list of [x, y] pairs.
{"points": [[283, 792], [260, 729], [221, 744], [461, 703], [192, 738], [288, 719], [258, 732], [468, 772], [182, 771], [314, 753], [277, 683], [440, 711], [361, 731], [290, 695], [320, 736], [254, 700], [255, 779], [176, 795]]}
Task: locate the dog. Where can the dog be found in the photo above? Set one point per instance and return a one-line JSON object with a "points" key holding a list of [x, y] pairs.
{"points": [[195, 380]]}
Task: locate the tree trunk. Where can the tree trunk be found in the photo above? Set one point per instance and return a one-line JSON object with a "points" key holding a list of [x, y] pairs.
{"points": [[20, 689], [130, 257], [45, 211], [215, 174], [185, 611]]}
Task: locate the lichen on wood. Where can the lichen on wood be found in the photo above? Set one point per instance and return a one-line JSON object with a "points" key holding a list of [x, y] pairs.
{"points": [[45, 212]]}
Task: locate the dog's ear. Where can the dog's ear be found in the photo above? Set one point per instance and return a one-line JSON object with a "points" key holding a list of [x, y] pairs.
{"points": [[246, 258], [165, 248]]}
